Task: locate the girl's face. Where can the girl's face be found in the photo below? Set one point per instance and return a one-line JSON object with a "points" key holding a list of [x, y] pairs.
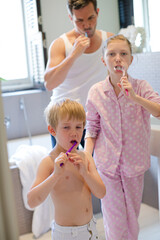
{"points": [[69, 131], [117, 56]]}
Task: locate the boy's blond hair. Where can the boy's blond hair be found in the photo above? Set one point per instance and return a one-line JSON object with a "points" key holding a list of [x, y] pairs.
{"points": [[116, 37], [62, 109]]}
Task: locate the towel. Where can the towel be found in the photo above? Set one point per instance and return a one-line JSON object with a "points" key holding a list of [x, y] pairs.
{"points": [[27, 159]]}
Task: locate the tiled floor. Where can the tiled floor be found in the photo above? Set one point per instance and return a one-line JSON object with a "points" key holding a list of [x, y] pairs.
{"points": [[148, 219], [149, 223]]}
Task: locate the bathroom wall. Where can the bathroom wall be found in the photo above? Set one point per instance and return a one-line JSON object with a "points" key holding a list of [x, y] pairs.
{"points": [[56, 21], [15, 113], [146, 66]]}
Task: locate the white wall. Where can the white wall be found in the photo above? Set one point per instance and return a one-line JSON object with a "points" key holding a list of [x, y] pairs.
{"points": [[56, 21]]}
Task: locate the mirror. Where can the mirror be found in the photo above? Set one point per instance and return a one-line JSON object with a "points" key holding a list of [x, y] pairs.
{"points": [[54, 24]]}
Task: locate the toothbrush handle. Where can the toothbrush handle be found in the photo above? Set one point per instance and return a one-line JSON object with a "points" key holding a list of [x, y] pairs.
{"points": [[69, 150], [123, 76]]}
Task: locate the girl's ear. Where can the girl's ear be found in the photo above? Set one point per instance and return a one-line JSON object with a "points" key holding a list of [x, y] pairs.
{"points": [[51, 130], [102, 59]]}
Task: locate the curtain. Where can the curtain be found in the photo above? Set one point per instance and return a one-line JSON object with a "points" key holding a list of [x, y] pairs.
{"points": [[126, 13], [35, 41], [8, 220]]}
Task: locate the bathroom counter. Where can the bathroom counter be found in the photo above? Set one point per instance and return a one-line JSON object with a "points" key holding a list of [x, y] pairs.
{"points": [[155, 140], [155, 151]]}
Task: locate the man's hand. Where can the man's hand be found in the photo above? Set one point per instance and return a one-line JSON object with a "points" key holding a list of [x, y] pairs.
{"points": [[80, 45]]}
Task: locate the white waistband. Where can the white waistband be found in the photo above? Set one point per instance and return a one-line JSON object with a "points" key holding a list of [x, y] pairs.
{"points": [[72, 228]]}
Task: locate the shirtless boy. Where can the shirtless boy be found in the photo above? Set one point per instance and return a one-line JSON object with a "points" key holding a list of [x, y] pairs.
{"points": [[69, 178]]}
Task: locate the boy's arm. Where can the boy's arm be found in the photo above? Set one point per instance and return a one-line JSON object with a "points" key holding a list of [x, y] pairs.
{"points": [[93, 179], [89, 144], [46, 179], [88, 171], [58, 64]]}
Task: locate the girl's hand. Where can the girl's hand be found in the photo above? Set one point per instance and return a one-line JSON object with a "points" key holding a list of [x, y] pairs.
{"points": [[60, 163], [79, 162], [126, 85]]}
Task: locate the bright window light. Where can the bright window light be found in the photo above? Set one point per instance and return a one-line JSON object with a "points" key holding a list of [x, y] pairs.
{"points": [[154, 20], [12, 41]]}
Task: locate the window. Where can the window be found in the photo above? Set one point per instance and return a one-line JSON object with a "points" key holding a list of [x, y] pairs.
{"points": [[148, 17], [21, 45]]}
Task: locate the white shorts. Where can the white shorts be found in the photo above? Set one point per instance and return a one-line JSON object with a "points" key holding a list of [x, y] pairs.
{"points": [[85, 232]]}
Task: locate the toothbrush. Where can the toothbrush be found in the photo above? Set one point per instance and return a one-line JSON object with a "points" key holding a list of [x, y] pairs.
{"points": [[123, 69], [86, 35], [69, 150], [74, 144]]}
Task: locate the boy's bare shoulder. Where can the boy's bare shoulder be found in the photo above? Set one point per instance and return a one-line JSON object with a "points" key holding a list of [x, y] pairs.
{"points": [[49, 159]]}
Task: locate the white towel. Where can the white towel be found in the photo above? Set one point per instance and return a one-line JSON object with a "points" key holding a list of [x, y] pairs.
{"points": [[27, 158]]}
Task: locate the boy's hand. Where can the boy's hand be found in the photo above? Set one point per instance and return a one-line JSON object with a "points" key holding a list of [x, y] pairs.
{"points": [[60, 163], [79, 162]]}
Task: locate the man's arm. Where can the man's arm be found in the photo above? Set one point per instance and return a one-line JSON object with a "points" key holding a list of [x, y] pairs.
{"points": [[58, 64]]}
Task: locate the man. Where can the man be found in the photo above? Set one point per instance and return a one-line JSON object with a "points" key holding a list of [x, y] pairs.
{"points": [[74, 63]]}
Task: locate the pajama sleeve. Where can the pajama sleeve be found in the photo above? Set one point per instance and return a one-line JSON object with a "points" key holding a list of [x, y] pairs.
{"points": [[148, 93]]}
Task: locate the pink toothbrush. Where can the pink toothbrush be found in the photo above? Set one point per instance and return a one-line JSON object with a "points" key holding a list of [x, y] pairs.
{"points": [[69, 150], [123, 69]]}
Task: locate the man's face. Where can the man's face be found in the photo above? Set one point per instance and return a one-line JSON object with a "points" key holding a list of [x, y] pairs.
{"points": [[85, 20]]}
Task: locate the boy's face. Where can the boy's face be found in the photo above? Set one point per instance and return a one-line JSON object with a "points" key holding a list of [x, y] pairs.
{"points": [[117, 54], [68, 131], [85, 20]]}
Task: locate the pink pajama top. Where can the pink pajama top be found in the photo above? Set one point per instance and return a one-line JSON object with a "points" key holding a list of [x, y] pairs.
{"points": [[121, 128]]}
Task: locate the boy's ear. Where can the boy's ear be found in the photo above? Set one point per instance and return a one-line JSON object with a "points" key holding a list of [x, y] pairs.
{"points": [[102, 59], [70, 17], [97, 11], [51, 130]]}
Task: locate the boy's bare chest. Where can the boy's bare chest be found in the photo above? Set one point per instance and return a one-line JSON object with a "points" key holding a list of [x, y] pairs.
{"points": [[70, 180]]}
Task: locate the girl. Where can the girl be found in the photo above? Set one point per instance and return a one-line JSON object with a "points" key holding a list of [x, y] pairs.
{"points": [[118, 129]]}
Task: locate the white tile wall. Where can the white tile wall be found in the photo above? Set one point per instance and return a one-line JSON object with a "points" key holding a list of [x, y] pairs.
{"points": [[146, 66]]}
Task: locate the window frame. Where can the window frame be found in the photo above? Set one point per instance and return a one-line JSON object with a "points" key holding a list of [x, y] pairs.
{"points": [[36, 54]]}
